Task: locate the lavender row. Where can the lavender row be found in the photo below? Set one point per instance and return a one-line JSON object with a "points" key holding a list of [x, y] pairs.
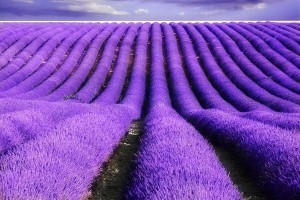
{"points": [[11, 30], [165, 167], [25, 121], [67, 66], [50, 167], [260, 61], [11, 39], [283, 32], [20, 44], [279, 61], [287, 42], [289, 28], [243, 82], [251, 70], [113, 90], [288, 121], [95, 134], [259, 146], [24, 56], [207, 95], [135, 93], [91, 88], [175, 162], [219, 80], [176, 73], [67, 39], [275, 44], [73, 83], [270, 154], [43, 53], [158, 89], [285, 121]]}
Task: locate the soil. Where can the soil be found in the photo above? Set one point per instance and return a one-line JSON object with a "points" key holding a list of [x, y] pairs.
{"points": [[239, 176], [114, 176], [111, 183]]}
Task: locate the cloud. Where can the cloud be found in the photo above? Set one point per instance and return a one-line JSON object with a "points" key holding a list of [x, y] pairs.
{"points": [[258, 6], [87, 6], [211, 12], [226, 4], [24, 1], [181, 13], [94, 8], [141, 11], [75, 9]]}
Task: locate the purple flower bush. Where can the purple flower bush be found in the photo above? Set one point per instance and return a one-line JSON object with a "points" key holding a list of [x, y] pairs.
{"points": [[90, 90], [28, 87], [271, 154], [63, 163], [260, 61], [174, 160], [70, 91], [286, 175], [272, 55], [114, 88], [290, 44], [249, 69]]}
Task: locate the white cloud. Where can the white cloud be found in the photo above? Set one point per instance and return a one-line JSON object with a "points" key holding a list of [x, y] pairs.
{"points": [[181, 13], [95, 8], [88, 6], [211, 12], [24, 1], [141, 11], [259, 6]]}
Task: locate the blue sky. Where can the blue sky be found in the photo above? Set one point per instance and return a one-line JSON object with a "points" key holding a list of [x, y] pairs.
{"points": [[149, 10]]}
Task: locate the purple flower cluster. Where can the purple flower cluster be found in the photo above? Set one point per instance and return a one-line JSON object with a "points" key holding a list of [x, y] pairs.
{"points": [[114, 88], [271, 154], [261, 62], [91, 88], [287, 174], [135, 93], [63, 163], [30, 87], [72, 84], [69, 92], [174, 161]]}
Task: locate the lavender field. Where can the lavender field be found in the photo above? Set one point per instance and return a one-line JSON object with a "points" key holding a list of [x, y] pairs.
{"points": [[70, 93]]}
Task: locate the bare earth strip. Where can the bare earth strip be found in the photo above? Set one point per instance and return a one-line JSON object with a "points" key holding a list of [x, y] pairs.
{"points": [[110, 185], [238, 175], [116, 172]]}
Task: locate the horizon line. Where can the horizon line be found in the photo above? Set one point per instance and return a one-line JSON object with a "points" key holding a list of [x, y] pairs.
{"points": [[159, 21]]}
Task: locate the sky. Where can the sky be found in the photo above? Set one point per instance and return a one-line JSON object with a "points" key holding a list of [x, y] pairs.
{"points": [[149, 10]]}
